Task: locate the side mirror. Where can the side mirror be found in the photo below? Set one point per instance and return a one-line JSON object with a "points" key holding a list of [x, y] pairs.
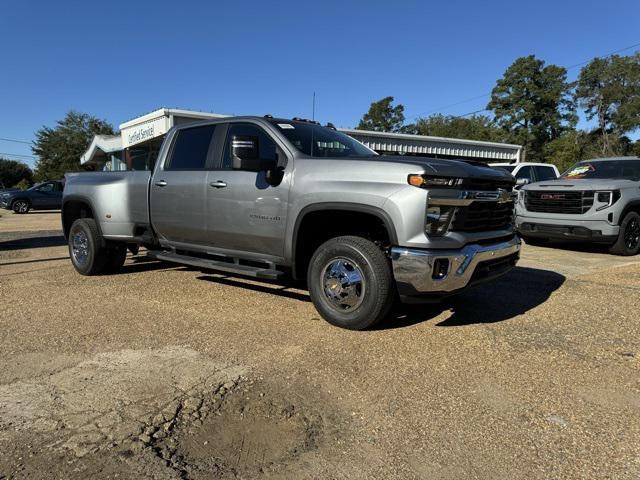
{"points": [[523, 181], [245, 153]]}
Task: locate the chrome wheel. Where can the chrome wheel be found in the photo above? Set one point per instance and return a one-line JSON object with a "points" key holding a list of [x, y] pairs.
{"points": [[343, 284], [80, 247], [632, 234], [21, 206]]}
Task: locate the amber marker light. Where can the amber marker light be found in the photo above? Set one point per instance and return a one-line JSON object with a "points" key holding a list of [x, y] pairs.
{"points": [[416, 180]]}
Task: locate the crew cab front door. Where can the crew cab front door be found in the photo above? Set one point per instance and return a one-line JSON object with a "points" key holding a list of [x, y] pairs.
{"points": [[246, 212], [179, 188]]}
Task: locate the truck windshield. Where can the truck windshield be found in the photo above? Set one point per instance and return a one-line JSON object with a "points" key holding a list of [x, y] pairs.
{"points": [[317, 141], [604, 169], [507, 168]]}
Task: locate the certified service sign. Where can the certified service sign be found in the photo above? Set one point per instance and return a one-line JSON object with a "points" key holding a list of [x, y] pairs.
{"points": [[144, 131]]}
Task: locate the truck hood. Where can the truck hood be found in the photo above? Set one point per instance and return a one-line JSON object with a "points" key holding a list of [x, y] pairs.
{"points": [[450, 168], [582, 184]]}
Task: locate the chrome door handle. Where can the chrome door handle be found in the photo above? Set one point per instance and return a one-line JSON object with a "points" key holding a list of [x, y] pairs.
{"points": [[161, 183], [218, 184]]}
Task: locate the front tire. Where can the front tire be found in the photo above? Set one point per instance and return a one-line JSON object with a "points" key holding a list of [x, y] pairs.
{"points": [[628, 242], [21, 206], [350, 282], [86, 247]]}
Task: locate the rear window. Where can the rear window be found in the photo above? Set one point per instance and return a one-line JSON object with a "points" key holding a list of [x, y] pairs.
{"points": [[191, 148]]}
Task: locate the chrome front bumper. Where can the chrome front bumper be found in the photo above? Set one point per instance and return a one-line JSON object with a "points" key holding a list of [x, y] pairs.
{"points": [[413, 269]]}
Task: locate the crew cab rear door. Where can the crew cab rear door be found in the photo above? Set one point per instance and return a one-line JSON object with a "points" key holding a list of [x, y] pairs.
{"points": [[179, 188], [247, 213]]}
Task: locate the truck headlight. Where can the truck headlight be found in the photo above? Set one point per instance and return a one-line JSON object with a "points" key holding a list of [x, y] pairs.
{"points": [[607, 198], [426, 181], [438, 220]]}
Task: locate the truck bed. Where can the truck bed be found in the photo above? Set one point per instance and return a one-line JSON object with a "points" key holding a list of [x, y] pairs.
{"points": [[120, 200]]}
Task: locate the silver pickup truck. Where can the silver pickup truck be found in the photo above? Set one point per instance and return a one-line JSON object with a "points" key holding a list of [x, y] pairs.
{"points": [[594, 201], [269, 198]]}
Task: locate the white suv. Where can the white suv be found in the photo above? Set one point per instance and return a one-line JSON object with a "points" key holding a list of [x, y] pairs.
{"points": [[529, 172]]}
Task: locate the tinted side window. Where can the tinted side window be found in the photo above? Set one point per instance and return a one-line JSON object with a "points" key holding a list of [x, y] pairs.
{"points": [[266, 146], [191, 148], [525, 172], [545, 173], [47, 187]]}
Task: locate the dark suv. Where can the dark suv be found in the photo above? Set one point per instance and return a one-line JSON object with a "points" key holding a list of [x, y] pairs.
{"points": [[43, 196]]}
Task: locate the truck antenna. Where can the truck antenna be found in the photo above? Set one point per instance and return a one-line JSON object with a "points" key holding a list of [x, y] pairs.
{"points": [[313, 110]]}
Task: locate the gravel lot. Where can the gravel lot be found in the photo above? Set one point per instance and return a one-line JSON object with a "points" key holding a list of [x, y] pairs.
{"points": [[168, 372]]}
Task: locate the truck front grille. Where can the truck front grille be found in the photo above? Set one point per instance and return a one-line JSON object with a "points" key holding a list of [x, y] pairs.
{"points": [[486, 185], [482, 217], [574, 203]]}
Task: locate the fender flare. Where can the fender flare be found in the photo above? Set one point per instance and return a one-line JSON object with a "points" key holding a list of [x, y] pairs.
{"points": [[343, 206], [78, 198], [632, 205]]}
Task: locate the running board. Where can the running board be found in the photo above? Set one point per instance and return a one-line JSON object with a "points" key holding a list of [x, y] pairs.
{"points": [[257, 272]]}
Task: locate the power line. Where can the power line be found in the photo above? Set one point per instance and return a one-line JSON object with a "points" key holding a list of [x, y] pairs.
{"points": [[607, 55], [470, 113], [17, 155], [489, 94], [16, 141], [450, 105]]}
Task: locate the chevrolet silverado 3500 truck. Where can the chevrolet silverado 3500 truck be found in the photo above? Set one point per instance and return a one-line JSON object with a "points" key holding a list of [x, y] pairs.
{"points": [[269, 197]]}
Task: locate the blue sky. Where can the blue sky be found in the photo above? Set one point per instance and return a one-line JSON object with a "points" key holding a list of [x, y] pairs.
{"points": [[118, 60]]}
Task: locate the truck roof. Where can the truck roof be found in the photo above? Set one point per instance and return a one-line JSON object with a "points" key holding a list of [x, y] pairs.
{"points": [[608, 159], [515, 164]]}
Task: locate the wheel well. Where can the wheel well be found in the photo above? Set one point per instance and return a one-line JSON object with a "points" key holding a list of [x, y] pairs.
{"points": [[19, 199], [73, 210], [632, 207], [317, 227]]}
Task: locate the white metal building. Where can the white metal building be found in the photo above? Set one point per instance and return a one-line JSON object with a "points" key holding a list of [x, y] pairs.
{"points": [[140, 139], [407, 144]]}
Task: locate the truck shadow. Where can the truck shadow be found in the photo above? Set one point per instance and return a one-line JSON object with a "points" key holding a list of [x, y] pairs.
{"points": [[282, 289], [43, 241], [584, 247], [517, 292]]}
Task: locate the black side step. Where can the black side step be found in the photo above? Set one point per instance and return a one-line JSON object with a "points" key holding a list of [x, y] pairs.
{"points": [[257, 272]]}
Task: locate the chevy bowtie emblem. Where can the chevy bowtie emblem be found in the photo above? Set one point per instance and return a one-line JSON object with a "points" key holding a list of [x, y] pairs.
{"points": [[503, 196]]}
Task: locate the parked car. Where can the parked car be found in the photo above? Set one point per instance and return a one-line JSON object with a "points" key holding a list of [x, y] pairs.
{"points": [[595, 200], [269, 197], [43, 196], [5, 189], [529, 172]]}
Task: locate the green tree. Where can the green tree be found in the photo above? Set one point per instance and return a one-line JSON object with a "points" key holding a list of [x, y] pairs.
{"points": [[476, 127], [59, 149], [533, 104], [608, 89], [23, 184], [13, 172], [383, 117]]}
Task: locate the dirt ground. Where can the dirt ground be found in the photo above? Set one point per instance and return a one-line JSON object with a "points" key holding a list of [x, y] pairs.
{"points": [[168, 372]]}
